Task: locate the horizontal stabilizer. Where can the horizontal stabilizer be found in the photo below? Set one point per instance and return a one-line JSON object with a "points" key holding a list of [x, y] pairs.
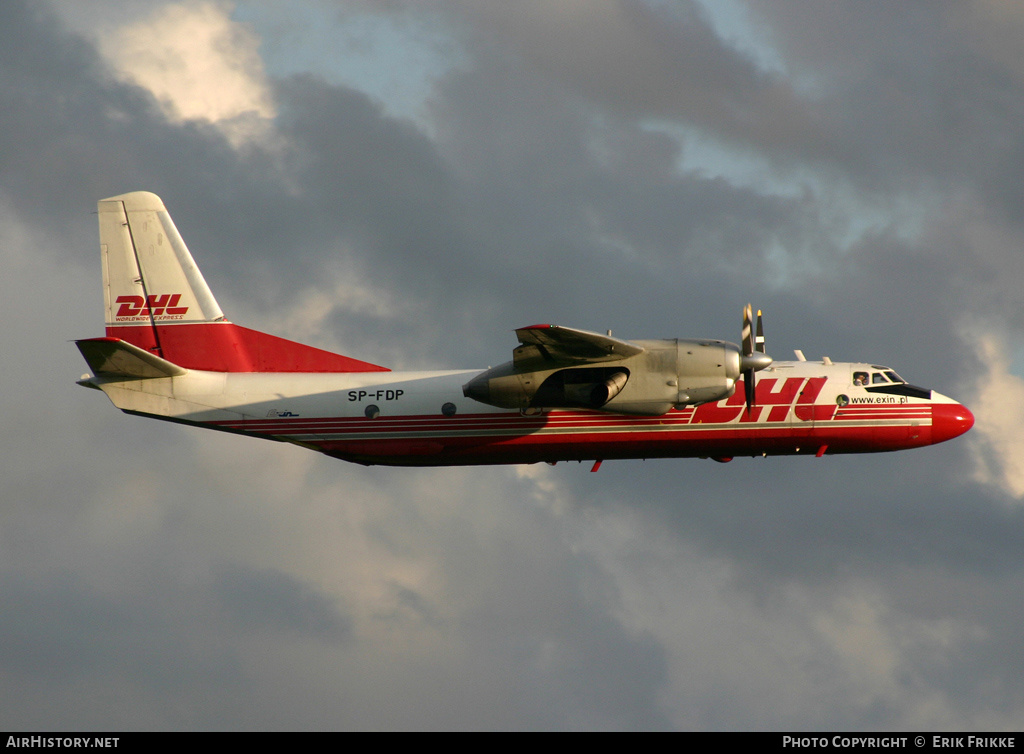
{"points": [[113, 357]]}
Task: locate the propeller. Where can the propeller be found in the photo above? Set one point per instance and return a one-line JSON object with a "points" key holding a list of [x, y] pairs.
{"points": [[753, 357]]}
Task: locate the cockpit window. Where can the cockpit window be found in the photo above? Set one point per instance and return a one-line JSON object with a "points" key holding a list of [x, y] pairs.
{"points": [[860, 379], [878, 379], [894, 377]]}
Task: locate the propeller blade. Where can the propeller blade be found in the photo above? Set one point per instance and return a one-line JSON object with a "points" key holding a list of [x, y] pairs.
{"points": [[753, 357], [748, 386], [748, 334], [748, 350]]}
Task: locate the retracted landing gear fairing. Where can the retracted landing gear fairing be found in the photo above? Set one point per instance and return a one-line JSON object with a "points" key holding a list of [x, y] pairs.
{"points": [[169, 353]]}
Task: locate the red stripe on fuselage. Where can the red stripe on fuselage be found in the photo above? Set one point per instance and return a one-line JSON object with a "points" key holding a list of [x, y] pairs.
{"points": [[561, 435], [718, 442]]}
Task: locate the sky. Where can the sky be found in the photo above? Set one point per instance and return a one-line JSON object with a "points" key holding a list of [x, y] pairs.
{"points": [[408, 182]]}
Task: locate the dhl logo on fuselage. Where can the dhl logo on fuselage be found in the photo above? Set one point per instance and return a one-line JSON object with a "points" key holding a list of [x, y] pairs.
{"points": [[164, 306], [797, 393]]}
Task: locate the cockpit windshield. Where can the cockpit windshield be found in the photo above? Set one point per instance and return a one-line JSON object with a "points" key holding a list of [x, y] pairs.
{"points": [[884, 380], [883, 376]]}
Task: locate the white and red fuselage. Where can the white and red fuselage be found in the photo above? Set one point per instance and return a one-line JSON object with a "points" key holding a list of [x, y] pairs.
{"points": [[170, 354], [422, 418]]}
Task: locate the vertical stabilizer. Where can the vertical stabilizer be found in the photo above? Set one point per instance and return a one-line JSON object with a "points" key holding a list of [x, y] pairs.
{"points": [[157, 299], [149, 275]]}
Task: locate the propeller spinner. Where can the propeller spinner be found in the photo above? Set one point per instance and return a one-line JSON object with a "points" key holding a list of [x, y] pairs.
{"points": [[753, 358]]}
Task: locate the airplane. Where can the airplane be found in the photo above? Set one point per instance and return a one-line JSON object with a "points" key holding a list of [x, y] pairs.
{"points": [[567, 395]]}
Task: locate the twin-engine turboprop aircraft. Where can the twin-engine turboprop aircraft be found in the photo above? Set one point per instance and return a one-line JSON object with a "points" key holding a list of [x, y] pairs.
{"points": [[567, 394]]}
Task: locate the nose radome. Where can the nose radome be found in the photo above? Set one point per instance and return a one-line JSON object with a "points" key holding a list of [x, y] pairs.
{"points": [[950, 420]]}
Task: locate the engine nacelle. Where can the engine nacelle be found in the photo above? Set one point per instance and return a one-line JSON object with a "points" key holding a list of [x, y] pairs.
{"points": [[707, 370], [666, 374], [584, 387]]}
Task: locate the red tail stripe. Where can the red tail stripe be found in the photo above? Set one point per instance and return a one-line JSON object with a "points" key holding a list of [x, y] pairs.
{"points": [[227, 347]]}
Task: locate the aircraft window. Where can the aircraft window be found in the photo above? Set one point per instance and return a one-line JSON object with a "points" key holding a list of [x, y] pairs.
{"points": [[894, 377], [860, 378], [878, 378]]}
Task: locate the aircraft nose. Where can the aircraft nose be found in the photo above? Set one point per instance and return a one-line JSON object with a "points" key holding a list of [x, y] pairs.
{"points": [[950, 420]]}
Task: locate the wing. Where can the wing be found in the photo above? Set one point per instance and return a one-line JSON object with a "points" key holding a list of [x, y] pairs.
{"points": [[553, 345]]}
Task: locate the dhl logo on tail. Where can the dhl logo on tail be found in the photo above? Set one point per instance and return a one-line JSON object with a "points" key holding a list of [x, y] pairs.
{"points": [[165, 305]]}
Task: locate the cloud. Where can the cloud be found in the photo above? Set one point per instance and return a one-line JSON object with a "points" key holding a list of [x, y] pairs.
{"points": [[999, 416], [649, 61], [199, 64], [991, 28], [162, 577]]}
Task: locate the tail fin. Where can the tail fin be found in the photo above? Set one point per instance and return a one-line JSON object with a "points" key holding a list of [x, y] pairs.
{"points": [[157, 299]]}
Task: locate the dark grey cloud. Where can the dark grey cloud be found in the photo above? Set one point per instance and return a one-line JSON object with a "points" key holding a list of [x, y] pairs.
{"points": [[212, 582], [920, 94], [652, 61], [274, 600]]}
